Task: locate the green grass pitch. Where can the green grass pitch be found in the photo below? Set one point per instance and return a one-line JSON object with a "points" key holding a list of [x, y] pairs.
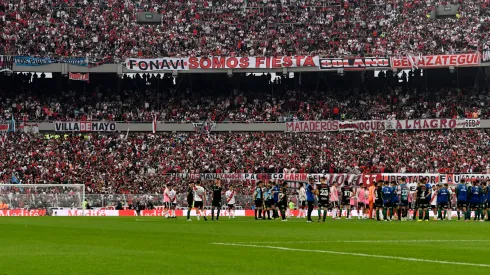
{"points": [[149, 245]]}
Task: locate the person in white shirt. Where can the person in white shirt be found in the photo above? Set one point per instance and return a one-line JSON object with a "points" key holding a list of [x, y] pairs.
{"points": [[199, 198], [302, 201], [173, 201], [230, 201]]}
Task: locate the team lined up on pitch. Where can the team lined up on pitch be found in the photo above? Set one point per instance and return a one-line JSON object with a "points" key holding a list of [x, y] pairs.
{"points": [[381, 201]]}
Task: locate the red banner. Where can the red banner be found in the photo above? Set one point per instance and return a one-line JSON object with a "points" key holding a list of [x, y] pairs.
{"points": [[22, 212], [4, 127], [435, 61], [79, 76]]}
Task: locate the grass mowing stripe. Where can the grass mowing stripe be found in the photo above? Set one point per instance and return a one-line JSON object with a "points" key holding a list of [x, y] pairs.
{"points": [[364, 241], [355, 254]]}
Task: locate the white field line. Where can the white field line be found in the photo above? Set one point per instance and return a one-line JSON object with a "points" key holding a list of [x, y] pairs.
{"points": [[363, 241], [355, 254]]}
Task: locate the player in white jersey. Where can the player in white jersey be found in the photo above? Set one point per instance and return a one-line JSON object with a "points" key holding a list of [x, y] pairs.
{"points": [[302, 201], [199, 199], [166, 202], [230, 201], [334, 200], [433, 201], [173, 201]]}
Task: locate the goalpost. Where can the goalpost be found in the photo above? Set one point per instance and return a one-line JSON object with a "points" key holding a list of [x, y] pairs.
{"points": [[41, 199]]}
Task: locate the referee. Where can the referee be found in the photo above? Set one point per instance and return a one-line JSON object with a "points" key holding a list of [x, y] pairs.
{"points": [[310, 198]]}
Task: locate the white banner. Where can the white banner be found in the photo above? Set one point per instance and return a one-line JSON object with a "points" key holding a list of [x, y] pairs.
{"points": [[220, 62], [79, 212], [380, 125]]}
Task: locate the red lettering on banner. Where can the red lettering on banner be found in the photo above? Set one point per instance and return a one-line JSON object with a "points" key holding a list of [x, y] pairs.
{"points": [[288, 61], [443, 123], [445, 57], [193, 63], [407, 125], [433, 123], [426, 124], [232, 63], [259, 61], [298, 60], [205, 63], [438, 60], [218, 63], [461, 59], [416, 124], [429, 60], [452, 123], [323, 126], [309, 62], [399, 125], [276, 62], [452, 60], [306, 127], [244, 62]]}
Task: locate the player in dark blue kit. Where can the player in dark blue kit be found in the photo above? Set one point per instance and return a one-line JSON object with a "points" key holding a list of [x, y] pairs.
{"points": [[475, 200], [442, 201], [259, 200], [310, 198], [404, 194], [395, 200], [462, 197], [387, 201], [487, 204], [275, 196]]}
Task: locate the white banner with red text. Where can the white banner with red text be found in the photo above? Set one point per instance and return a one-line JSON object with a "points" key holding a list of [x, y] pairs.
{"points": [[381, 125], [220, 62], [435, 61]]}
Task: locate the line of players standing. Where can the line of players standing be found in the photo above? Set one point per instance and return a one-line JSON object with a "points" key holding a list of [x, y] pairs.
{"points": [[438, 198], [387, 199]]}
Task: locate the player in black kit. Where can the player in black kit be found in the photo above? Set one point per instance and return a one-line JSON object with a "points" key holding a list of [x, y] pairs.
{"points": [[323, 201], [346, 194], [217, 189], [283, 202], [190, 200], [378, 202]]}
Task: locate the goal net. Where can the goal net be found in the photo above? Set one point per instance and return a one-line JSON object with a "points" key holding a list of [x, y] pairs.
{"points": [[40, 199]]}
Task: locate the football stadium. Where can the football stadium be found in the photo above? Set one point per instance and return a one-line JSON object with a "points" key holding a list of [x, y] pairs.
{"points": [[244, 137]]}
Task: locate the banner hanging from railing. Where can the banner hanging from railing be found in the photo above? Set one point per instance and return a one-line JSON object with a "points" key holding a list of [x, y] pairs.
{"points": [[355, 63], [435, 61], [6, 63], [85, 126], [40, 61], [79, 76], [485, 58], [339, 178], [220, 62], [380, 125]]}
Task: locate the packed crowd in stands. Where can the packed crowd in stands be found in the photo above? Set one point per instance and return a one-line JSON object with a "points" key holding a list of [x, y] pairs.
{"points": [[239, 27], [241, 106], [114, 163]]}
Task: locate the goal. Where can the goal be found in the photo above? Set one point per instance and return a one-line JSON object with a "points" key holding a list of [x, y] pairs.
{"points": [[40, 199]]}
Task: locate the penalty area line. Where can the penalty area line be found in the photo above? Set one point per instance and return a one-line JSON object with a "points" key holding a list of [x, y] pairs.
{"points": [[355, 254], [364, 241]]}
